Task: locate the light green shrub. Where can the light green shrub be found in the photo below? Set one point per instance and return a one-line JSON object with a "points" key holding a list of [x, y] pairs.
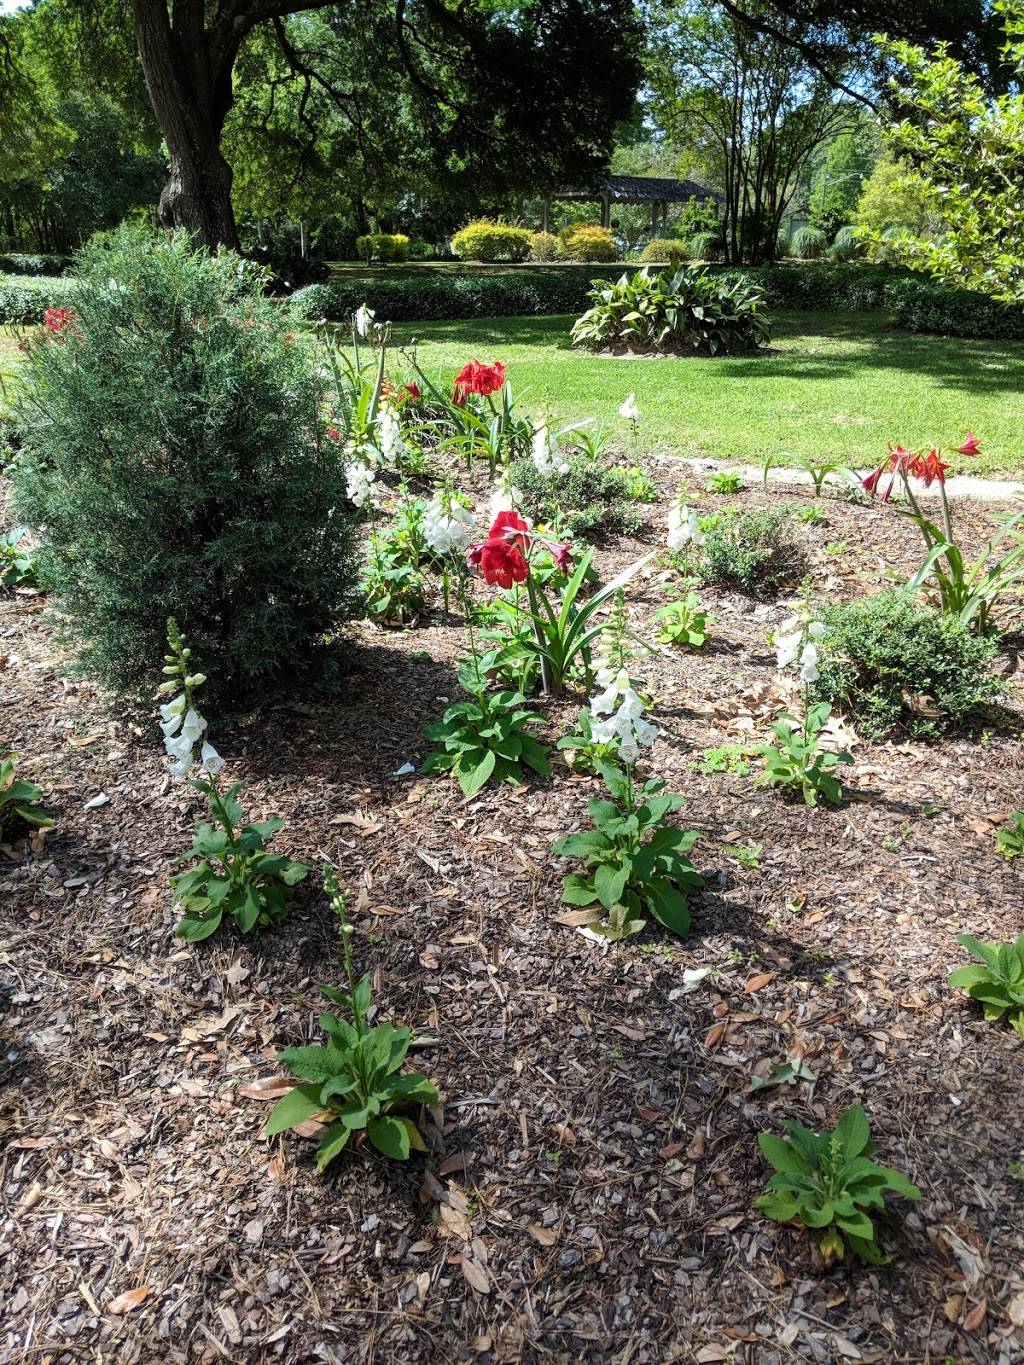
{"points": [[543, 246], [484, 240], [587, 242], [383, 246], [662, 249]]}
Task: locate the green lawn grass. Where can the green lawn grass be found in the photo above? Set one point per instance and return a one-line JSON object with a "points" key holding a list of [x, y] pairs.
{"points": [[831, 387]]}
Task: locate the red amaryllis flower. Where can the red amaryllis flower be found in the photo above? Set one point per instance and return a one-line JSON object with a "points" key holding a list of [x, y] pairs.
{"points": [[501, 557], [898, 461], [562, 555], [56, 320], [477, 378], [971, 445], [411, 391], [929, 468]]}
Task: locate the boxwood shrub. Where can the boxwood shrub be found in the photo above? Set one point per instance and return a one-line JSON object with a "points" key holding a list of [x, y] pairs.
{"points": [[897, 666]]}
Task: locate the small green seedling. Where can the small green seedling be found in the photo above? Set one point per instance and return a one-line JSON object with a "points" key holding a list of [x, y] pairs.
{"points": [[827, 1182], [996, 980], [19, 800], [354, 1078], [725, 481]]}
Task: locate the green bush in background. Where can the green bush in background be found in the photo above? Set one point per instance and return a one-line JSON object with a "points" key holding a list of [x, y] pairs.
{"points": [[587, 242], [174, 458], [383, 246], [484, 240], [895, 665], [660, 250]]}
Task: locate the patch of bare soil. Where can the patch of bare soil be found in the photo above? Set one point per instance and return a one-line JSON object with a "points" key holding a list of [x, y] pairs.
{"points": [[588, 1193]]}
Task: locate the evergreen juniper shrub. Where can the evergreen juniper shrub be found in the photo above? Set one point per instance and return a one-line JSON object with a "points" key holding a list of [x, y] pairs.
{"points": [[174, 454]]}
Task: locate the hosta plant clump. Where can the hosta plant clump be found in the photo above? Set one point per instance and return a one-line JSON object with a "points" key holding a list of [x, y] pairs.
{"points": [[354, 1079], [684, 311], [829, 1183], [996, 980]]}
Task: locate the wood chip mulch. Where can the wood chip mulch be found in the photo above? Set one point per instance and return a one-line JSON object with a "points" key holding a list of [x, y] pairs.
{"points": [[588, 1193]]}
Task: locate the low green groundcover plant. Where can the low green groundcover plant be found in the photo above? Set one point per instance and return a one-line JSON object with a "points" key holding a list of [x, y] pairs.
{"points": [[828, 1182], [797, 763], [754, 551], [635, 860], [589, 498], [234, 875], [17, 561], [354, 1077], [1010, 839], [996, 979], [894, 665], [685, 310], [683, 621]]}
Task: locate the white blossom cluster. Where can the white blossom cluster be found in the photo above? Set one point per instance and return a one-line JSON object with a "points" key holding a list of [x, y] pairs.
{"points": [[183, 728], [683, 527], [360, 484], [506, 496], [629, 409], [447, 525], [362, 319], [545, 452], [625, 716], [389, 434], [796, 645]]}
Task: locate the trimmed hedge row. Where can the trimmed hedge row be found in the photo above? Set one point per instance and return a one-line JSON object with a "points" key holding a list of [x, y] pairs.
{"points": [[422, 298], [921, 306], [842, 288], [20, 263], [26, 300], [916, 303]]}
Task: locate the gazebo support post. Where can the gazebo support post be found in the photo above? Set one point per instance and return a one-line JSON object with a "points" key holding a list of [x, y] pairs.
{"points": [[547, 213], [606, 211]]}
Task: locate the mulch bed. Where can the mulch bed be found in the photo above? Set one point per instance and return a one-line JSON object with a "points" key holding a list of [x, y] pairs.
{"points": [[588, 1193]]}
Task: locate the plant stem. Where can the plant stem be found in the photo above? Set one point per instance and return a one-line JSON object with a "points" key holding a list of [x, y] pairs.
{"points": [[547, 681]]}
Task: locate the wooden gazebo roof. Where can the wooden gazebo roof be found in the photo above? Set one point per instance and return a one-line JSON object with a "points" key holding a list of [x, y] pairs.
{"points": [[655, 190], [642, 189]]}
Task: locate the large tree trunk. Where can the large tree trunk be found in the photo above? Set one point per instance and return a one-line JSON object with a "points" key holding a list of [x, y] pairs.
{"points": [[188, 75]]}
